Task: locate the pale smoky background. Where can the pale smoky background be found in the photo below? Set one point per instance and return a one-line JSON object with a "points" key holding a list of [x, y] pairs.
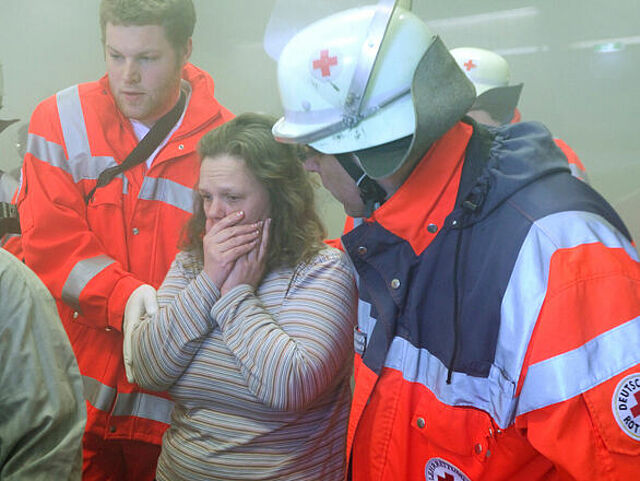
{"points": [[579, 61]]}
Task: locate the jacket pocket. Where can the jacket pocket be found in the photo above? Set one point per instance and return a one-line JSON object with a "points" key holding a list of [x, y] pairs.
{"points": [[108, 195], [105, 216], [464, 432]]}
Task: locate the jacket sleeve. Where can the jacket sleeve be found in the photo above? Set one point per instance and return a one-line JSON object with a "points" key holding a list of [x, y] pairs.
{"points": [[58, 241], [580, 391], [289, 358], [42, 409]]}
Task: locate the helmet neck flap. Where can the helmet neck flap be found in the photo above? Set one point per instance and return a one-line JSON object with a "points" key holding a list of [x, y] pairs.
{"points": [[441, 95]]}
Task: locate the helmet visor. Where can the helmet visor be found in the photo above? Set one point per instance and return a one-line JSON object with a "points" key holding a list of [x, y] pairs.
{"points": [[289, 17]]}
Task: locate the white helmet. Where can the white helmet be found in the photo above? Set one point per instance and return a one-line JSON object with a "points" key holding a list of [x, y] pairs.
{"points": [[319, 66], [490, 75], [486, 69], [348, 83]]}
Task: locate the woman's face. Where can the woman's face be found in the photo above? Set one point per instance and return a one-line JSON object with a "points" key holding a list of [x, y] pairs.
{"points": [[227, 185]]}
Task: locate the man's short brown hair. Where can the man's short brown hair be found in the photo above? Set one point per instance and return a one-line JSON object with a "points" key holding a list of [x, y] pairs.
{"points": [[178, 17]]}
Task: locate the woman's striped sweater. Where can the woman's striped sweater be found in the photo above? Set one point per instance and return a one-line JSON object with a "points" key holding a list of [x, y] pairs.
{"points": [[260, 380]]}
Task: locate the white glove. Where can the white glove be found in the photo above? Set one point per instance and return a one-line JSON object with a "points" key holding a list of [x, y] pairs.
{"points": [[141, 303]]}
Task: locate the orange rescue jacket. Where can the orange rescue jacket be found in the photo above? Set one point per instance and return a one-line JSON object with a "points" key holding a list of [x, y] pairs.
{"points": [[91, 257], [499, 322]]}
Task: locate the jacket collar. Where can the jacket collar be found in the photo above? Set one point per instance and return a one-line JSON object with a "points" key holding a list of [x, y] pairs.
{"points": [[429, 193]]}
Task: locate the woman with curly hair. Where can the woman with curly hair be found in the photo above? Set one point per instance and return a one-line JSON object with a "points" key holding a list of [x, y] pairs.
{"points": [[253, 336]]}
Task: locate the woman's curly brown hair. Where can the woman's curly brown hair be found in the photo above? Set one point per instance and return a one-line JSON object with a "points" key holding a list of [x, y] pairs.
{"points": [[296, 232]]}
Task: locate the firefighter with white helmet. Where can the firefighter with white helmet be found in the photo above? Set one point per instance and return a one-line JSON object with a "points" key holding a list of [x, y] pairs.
{"points": [[497, 99], [488, 343], [490, 74], [353, 93], [486, 69]]}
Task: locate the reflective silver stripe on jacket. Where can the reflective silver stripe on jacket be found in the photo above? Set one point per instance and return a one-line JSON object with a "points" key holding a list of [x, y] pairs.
{"points": [[571, 373], [81, 164], [143, 405], [552, 380], [138, 404], [97, 394], [527, 286], [74, 129], [49, 152], [53, 154], [80, 276], [167, 191]]}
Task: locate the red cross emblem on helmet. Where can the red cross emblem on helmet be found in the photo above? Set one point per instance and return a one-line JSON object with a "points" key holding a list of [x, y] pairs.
{"points": [[324, 65]]}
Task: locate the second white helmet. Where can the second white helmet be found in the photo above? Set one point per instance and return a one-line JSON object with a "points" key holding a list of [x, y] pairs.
{"points": [[486, 69]]}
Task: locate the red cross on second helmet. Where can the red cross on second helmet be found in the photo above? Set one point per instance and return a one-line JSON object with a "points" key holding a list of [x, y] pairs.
{"points": [[469, 64]]}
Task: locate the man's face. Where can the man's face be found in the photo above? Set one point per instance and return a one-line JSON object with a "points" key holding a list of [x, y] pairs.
{"points": [[144, 70], [336, 180]]}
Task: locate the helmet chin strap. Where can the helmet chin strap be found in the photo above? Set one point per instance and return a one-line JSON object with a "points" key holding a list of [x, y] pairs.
{"points": [[371, 193]]}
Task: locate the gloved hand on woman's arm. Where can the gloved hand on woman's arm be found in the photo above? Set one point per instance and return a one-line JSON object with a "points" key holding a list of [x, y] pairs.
{"points": [[141, 303]]}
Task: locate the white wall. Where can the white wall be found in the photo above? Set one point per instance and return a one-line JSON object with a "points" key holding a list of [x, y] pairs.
{"points": [[587, 98]]}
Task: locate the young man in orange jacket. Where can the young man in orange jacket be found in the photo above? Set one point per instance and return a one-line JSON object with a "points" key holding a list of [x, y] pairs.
{"points": [[499, 315], [94, 245]]}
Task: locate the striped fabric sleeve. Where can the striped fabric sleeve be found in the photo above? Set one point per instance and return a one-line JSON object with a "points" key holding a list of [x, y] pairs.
{"points": [[163, 345], [291, 357]]}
